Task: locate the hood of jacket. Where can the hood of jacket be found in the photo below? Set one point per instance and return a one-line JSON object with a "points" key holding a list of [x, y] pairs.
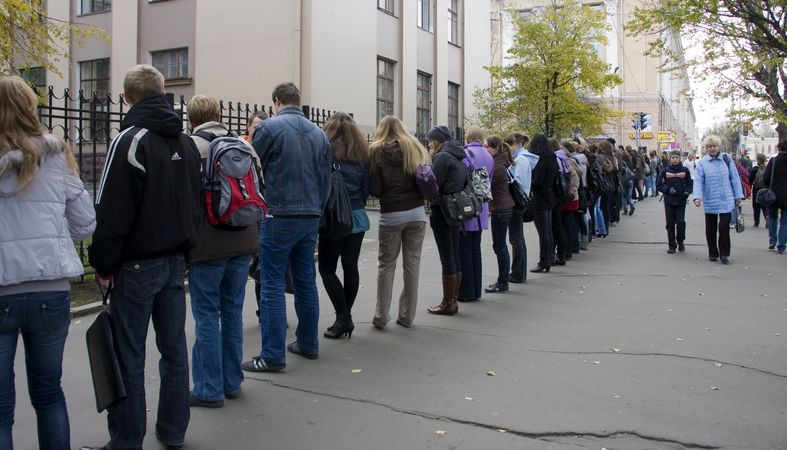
{"points": [[391, 154], [455, 149], [156, 114], [562, 160], [11, 161], [531, 157]]}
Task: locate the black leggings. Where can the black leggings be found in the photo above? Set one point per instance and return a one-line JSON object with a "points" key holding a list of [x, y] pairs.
{"points": [[559, 234], [447, 239], [348, 249], [546, 252]]}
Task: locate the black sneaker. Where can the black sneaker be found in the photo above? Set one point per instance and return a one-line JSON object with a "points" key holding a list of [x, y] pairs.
{"points": [[294, 348], [713, 258], [496, 287], [232, 396], [724, 260], [168, 445], [515, 280], [200, 403], [631, 211], [681, 248], [258, 365], [671, 250]]}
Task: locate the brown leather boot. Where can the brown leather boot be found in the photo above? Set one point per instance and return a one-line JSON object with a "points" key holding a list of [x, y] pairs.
{"points": [[448, 306], [457, 286]]}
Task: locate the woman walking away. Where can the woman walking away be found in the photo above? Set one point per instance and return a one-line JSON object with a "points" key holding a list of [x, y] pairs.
{"points": [[675, 183], [776, 178], [45, 211], [351, 153], [717, 187], [756, 180], [501, 208], [451, 175], [395, 156], [543, 188]]}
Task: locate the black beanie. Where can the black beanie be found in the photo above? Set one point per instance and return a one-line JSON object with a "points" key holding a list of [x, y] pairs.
{"points": [[439, 133]]}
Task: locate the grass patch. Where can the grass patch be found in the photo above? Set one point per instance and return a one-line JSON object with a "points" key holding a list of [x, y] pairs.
{"points": [[84, 292]]}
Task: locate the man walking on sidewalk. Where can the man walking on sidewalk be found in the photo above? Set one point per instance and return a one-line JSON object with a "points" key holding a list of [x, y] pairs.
{"points": [[147, 209]]}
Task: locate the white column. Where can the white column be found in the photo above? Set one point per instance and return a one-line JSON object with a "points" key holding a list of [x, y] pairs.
{"points": [[408, 66], [125, 28]]}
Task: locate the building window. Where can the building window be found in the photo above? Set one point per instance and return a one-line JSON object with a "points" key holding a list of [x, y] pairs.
{"points": [[36, 77], [94, 6], [453, 22], [423, 115], [453, 109], [173, 64], [94, 84], [424, 18], [385, 88], [386, 5]]}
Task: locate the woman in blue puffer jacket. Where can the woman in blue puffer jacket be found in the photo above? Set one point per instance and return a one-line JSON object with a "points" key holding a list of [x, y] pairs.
{"points": [[717, 186]]}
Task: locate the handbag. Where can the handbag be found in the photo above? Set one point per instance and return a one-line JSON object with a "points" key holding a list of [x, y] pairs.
{"points": [[766, 196], [521, 200], [337, 217], [740, 226], [459, 207], [104, 367]]}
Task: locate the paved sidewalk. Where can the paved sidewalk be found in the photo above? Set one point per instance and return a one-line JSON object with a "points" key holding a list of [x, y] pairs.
{"points": [[626, 347]]}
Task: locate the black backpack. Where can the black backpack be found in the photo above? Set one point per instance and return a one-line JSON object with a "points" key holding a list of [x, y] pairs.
{"points": [[563, 185], [337, 217]]}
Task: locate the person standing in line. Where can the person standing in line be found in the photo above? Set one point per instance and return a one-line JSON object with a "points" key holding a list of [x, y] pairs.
{"points": [[756, 177], [690, 163], [45, 212], [470, 236], [251, 125], [501, 208], [351, 153], [717, 187], [296, 163], [627, 170], [561, 248], [543, 187], [395, 158], [218, 271], [777, 166], [570, 211], [451, 175], [523, 165], [148, 210], [639, 173], [676, 184]]}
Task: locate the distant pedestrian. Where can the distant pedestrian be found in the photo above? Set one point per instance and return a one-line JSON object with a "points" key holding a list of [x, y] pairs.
{"points": [[251, 125], [148, 209], [351, 155], [45, 211], [543, 187], [676, 184], [395, 157], [777, 219], [756, 179], [690, 163], [296, 163], [522, 168], [501, 209], [717, 187], [451, 175]]}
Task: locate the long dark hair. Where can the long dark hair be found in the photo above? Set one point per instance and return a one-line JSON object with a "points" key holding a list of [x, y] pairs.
{"points": [[540, 146], [348, 143]]}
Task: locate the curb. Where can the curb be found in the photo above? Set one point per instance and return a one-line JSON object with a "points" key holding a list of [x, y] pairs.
{"points": [[86, 310]]}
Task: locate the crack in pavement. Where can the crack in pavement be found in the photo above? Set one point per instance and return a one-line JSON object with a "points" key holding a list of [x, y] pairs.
{"points": [[542, 436], [671, 355], [648, 243], [654, 275]]}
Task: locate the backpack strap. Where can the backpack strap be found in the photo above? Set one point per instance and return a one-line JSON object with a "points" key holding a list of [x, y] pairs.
{"points": [[207, 135]]}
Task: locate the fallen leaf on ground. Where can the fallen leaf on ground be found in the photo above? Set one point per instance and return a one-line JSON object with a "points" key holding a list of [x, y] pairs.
{"points": [[582, 287], [491, 373], [77, 322], [617, 395], [777, 334], [586, 361], [440, 432], [669, 310], [764, 295], [684, 279], [746, 268], [356, 370], [708, 329], [679, 339], [560, 291], [616, 350], [502, 430], [714, 388], [717, 364], [619, 283], [581, 291], [596, 362], [469, 398], [702, 293]]}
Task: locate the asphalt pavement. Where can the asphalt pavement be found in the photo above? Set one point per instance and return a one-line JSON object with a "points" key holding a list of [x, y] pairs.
{"points": [[626, 347]]}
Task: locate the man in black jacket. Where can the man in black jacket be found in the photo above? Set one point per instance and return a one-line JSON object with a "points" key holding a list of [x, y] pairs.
{"points": [[147, 209]]}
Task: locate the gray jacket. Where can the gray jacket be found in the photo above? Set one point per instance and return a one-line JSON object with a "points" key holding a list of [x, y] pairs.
{"points": [[40, 225]]}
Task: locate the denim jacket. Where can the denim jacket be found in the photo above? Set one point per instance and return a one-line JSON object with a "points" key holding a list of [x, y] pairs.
{"points": [[296, 160]]}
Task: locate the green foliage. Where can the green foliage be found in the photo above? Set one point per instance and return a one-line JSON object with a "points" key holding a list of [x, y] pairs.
{"points": [[742, 48], [554, 85], [29, 38]]}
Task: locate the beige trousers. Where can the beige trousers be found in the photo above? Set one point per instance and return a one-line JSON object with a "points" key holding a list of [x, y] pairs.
{"points": [[409, 238]]}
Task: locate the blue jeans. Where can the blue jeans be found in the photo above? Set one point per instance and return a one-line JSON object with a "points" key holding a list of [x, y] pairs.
{"points": [[217, 291], [626, 199], [500, 223], [779, 237], [43, 319], [150, 290], [601, 225], [288, 240], [649, 185]]}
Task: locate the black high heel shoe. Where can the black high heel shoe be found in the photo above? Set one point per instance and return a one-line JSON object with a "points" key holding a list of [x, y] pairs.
{"points": [[339, 329], [540, 268]]}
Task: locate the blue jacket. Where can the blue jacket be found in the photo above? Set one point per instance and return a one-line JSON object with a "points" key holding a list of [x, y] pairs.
{"points": [[296, 160], [717, 184], [524, 163], [356, 181]]}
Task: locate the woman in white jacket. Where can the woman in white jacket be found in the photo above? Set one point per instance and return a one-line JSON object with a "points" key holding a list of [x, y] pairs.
{"points": [[45, 210]]}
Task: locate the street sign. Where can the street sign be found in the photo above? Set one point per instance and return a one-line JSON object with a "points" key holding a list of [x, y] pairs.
{"points": [[643, 135], [665, 137]]}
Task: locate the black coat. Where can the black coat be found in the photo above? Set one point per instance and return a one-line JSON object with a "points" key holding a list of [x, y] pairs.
{"points": [[448, 168], [779, 179], [678, 178], [543, 183]]}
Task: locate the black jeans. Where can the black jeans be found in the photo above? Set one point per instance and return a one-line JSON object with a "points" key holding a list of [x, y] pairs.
{"points": [[501, 220], [470, 264], [516, 237], [720, 222], [546, 250], [607, 202], [570, 230], [757, 208], [348, 249], [559, 234], [676, 224], [446, 238]]}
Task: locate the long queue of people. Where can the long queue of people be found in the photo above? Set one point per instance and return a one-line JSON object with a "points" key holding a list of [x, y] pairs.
{"points": [[157, 211]]}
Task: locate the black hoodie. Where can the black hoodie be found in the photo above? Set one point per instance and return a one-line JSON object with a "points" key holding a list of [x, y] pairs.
{"points": [[148, 201], [448, 168]]}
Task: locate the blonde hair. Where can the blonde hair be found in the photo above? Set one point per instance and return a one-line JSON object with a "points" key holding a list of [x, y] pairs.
{"points": [[142, 81], [346, 139], [202, 109], [19, 124], [711, 140], [474, 134], [392, 129]]}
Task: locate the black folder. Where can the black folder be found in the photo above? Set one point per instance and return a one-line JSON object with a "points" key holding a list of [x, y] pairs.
{"points": [[107, 381]]}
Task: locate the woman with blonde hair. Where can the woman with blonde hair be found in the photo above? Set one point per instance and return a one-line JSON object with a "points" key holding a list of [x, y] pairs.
{"points": [[395, 156], [351, 154], [46, 210]]}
